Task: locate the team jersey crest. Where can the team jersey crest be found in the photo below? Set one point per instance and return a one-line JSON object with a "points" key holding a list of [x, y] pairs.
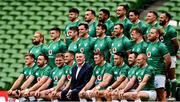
{"points": [[99, 77], [149, 54]]}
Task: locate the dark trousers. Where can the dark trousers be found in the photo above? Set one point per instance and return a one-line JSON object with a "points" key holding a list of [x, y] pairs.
{"points": [[74, 96]]}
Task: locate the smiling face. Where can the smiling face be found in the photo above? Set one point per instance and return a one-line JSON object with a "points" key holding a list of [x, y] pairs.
{"points": [[120, 11], [41, 61], [80, 58], [73, 16], [59, 61], [54, 35], [153, 35], [131, 59], [150, 18]]}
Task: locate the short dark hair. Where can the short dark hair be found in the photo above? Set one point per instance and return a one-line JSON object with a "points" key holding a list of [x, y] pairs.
{"points": [[135, 53], [45, 57], [103, 26], [75, 10], [100, 54], [71, 52], [56, 29], [125, 6], [136, 12], [121, 25], [105, 11], [30, 55], [168, 15], [85, 25], [138, 30], [154, 12], [121, 54], [92, 11], [74, 28]]}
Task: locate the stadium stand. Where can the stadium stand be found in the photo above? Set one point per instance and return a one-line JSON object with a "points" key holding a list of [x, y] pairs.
{"points": [[19, 19]]}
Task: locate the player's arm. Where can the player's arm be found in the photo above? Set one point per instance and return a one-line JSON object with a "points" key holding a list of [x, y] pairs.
{"points": [[45, 85], [106, 80], [27, 82], [17, 82], [89, 84], [143, 83], [39, 83], [167, 60], [118, 82], [130, 84], [175, 44], [60, 83], [67, 87]]}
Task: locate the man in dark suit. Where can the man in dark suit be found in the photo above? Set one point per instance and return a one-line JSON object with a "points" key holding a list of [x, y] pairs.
{"points": [[81, 74]]}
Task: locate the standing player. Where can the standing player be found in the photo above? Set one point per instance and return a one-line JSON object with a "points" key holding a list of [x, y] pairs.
{"points": [[55, 46], [38, 46], [140, 45], [170, 40], [73, 21], [118, 73], [99, 74], [104, 17], [144, 77], [27, 71], [159, 58], [136, 22], [103, 42], [121, 19], [74, 35], [151, 20], [86, 43], [120, 42], [90, 19]]}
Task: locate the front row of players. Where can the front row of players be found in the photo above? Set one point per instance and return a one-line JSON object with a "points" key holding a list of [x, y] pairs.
{"points": [[79, 81]]}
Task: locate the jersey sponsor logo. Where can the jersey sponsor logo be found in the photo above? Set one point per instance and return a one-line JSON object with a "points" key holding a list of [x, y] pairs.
{"points": [[50, 52], [38, 79], [149, 54], [55, 78], [99, 77], [68, 77], [82, 50]]}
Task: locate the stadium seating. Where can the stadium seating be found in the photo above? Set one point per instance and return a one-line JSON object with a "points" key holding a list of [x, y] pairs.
{"points": [[21, 18]]}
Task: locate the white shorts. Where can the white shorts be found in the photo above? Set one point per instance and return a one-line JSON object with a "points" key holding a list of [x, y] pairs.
{"points": [[173, 62], [159, 81], [152, 94]]}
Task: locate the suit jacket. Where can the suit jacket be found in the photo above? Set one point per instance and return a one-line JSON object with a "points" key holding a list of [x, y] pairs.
{"points": [[83, 77]]}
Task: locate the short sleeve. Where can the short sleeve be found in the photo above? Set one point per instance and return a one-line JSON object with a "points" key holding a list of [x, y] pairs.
{"points": [[163, 49]]}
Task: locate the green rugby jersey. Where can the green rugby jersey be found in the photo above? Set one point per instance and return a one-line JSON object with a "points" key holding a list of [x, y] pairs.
{"points": [[92, 28], [140, 47], [141, 72], [149, 26], [27, 71], [73, 46], [86, 46], [110, 27], [127, 26], [103, 45], [170, 33], [155, 52], [53, 48], [132, 71], [120, 44], [117, 71], [57, 73], [99, 71], [70, 24], [37, 50], [45, 71], [141, 24], [68, 71]]}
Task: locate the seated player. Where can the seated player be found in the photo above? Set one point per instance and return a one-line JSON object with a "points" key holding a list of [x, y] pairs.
{"points": [[132, 65], [119, 73], [144, 77], [101, 67], [42, 75], [57, 77], [28, 70], [69, 60]]}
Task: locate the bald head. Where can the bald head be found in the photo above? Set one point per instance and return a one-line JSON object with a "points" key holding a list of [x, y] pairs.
{"points": [[141, 60]]}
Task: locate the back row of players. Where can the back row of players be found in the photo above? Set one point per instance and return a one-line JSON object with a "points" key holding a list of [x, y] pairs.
{"points": [[158, 40]]}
